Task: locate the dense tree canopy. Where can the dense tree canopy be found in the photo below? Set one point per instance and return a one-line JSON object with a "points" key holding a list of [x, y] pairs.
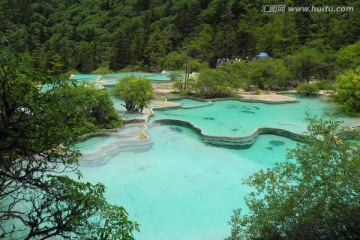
{"points": [[308, 63], [39, 120], [82, 35], [349, 56], [314, 194], [266, 74]]}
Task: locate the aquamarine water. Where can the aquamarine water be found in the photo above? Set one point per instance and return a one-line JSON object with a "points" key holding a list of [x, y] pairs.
{"points": [[118, 105], [150, 76], [84, 76], [93, 144], [112, 79], [178, 187], [235, 118], [182, 188], [191, 103]]}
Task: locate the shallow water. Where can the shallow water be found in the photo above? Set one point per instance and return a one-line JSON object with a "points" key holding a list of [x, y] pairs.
{"points": [[93, 144], [182, 188], [113, 78], [178, 187], [118, 105], [234, 118], [191, 103]]}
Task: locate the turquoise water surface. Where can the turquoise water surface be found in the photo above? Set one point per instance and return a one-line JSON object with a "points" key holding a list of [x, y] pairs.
{"points": [[178, 187], [112, 79], [235, 118], [191, 103], [182, 188], [118, 105]]}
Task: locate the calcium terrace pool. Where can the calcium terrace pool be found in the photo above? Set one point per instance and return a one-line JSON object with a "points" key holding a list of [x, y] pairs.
{"points": [[176, 183]]}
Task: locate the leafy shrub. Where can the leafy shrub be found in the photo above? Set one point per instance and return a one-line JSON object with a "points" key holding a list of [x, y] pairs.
{"points": [[308, 89], [267, 74], [349, 56], [175, 60], [347, 87], [324, 84], [93, 107], [184, 90], [68, 74], [176, 75], [103, 69], [212, 83], [135, 91], [306, 64]]}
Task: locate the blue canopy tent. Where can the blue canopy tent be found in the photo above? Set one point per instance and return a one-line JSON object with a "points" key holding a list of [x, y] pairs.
{"points": [[262, 55]]}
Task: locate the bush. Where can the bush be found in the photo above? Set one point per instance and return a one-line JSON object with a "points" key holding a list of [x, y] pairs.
{"points": [[93, 107], [238, 73], [175, 60], [212, 83], [135, 91], [306, 64], [68, 74], [347, 87], [308, 89], [349, 56], [180, 86], [176, 75], [103, 69], [268, 74], [324, 84]]}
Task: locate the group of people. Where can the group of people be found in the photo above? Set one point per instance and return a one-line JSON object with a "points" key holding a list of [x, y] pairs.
{"points": [[222, 61]]}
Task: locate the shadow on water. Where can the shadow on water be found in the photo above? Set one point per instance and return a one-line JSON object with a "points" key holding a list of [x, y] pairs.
{"points": [[276, 143]]}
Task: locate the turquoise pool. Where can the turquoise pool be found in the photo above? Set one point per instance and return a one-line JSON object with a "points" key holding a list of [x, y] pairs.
{"points": [[178, 187], [118, 105], [112, 79], [233, 118], [182, 188], [191, 103]]}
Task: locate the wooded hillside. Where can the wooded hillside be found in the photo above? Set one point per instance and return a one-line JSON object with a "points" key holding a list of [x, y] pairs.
{"points": [[151, 35]]}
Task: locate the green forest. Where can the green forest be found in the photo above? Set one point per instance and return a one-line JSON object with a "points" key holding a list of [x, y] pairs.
{"points": [[85, 35]]}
